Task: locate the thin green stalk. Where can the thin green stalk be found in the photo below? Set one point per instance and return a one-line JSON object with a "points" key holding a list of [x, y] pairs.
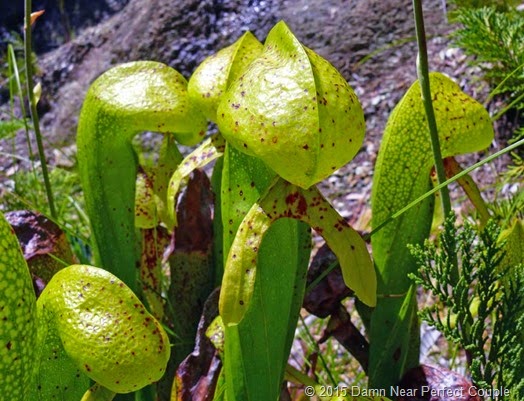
{"points": [[296, 376], [509, 106], [11, 57], [32, 104], [501, 84], [423, 76], [391, 45], [321, 276], [445, 183], [400, 212], [320, 356]]}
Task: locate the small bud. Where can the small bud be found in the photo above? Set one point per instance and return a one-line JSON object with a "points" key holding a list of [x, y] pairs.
{"points": [[35, 16], [37, 91]]}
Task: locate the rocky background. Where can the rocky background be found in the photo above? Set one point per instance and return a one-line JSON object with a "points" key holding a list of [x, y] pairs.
{"points": [[64, 19], [370, 41]]}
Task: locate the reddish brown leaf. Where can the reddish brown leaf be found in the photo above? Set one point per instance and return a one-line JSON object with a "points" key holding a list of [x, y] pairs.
{"points": [[194, 214], [324, 298], [39, 238], [197, 375], [191, 259], [432, 383], [344, 331], [191, 267]]}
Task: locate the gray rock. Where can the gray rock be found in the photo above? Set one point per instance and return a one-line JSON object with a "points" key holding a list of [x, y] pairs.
{"points": [[370, 41], [182, 33], [178, 33], [62, 19]]}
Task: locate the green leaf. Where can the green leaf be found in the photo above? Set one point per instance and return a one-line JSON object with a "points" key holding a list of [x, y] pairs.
{"points": [[169, 159], [214, 75], [285, 200], [452, 168], [400, 335], [126, 100], [17, 314], [404, 164], [154, 242], [151, 200], [58, 377], [292, 108], [98, 393], [514, 247], [257, 349], [218, 227], [401, 175], [220, 389], [104, 328], [34, 365], [145, 208], [215, 333], [85, 324], [209, 150]]}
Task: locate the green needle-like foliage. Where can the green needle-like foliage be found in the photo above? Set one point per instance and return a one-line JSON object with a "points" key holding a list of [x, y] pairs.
{"points": [[483, 311], [496, 40]]}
